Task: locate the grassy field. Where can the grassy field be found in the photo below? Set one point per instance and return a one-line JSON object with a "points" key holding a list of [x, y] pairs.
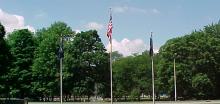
{"points": [[157, 102]]}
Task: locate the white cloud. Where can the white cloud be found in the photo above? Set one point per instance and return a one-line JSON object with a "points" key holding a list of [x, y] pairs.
{"points": [[94, 25], [123, 9], [12, 22], [128, 47]]}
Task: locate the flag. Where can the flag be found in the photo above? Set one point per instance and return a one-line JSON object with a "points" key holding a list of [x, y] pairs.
{"points": [[151, 46], [61, 53], [109, 31]]}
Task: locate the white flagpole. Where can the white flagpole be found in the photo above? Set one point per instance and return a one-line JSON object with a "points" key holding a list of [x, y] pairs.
{"points": [[174, 76], [111, 69], [152, 67], [110, 40], [61, 82], [61, 74]]}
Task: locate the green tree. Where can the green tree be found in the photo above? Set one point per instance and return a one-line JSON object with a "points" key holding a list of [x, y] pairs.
{"points": [[22, 48], [2, 31], [203, 86], [122, 77], [132, 76], [142, 74], [88, 64], [5, 62], [46, 63], [195, 53], [116, 55]]}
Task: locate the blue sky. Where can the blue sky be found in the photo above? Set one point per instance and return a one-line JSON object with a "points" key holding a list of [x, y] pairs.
{"points": [[133, 20]]}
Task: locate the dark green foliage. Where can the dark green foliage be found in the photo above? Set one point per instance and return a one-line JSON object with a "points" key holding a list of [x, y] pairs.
{"points": [[88, 64], [2, 31], [22, 50], [116, 55], [29, 66], [195, 53], [5, 62], [131, 76], [203, 87], [84, 64], [46, 64]]}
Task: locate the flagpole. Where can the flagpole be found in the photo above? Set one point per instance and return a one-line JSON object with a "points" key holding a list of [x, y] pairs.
{"points": [[111, 69], [152, 67], [61, 73], [174, 75], [109, 34], [61, 82]]}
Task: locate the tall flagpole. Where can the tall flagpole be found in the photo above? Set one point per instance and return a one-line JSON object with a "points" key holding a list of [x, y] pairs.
{"points": [[111, 69], [109, 34], [61, 71], [152, 66], [61, 81], [174, 76]]}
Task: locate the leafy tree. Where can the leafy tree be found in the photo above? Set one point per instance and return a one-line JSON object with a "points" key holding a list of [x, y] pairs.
{"points": [[202, 85], [46, 64], [195, 53], [22, 48], [142, 75], [2, 31], [116, 55], [123, 71], [5, 62], [88, 64], [132, 76]]}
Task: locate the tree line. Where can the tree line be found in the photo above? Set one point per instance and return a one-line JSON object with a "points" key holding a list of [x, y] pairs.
{"points": [[197, 61], [29, 66]]}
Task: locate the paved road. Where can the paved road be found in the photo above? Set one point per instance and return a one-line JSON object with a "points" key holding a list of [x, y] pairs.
{"points": [[157, 102]]}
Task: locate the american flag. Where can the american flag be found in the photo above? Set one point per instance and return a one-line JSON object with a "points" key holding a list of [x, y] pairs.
{"points": [[109, 31]]}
